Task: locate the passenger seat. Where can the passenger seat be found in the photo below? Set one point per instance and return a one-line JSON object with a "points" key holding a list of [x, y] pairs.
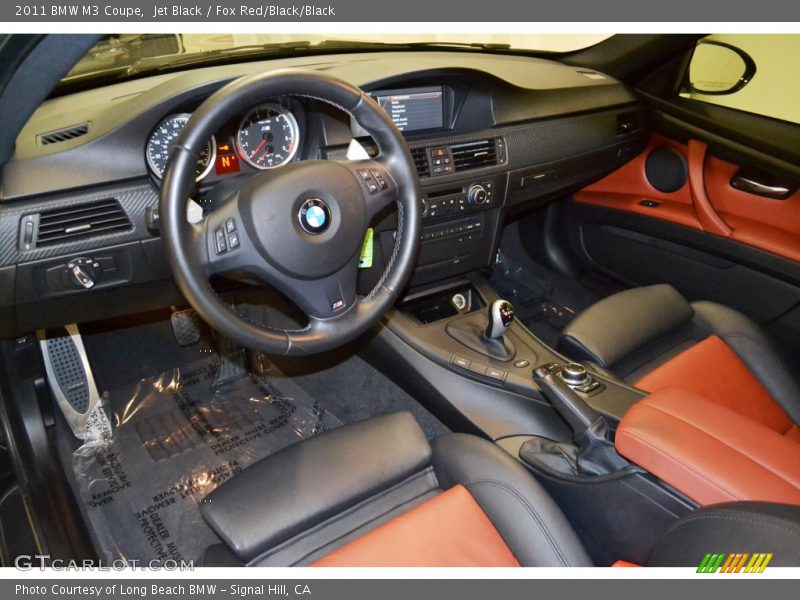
{"points": [[721, 420], [652, 338]]}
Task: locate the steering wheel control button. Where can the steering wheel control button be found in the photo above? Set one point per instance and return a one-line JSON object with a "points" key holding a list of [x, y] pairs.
{"points": [[521, 364], [372, 186], [379, 179], [315, 216], [230, 225], [220, 242], [233, 241], [364, 174]]}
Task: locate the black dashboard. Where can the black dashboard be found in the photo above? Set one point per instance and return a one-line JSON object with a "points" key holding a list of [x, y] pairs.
{"points": [[489, 134]]}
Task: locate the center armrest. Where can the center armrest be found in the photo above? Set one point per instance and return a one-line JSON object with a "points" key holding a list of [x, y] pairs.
{"points": [[709, 452]]}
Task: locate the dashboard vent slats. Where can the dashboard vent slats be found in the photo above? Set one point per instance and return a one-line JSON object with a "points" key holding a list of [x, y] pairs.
{"points": [[64, 135], [420, 156], [473, 155], [69, 224]]}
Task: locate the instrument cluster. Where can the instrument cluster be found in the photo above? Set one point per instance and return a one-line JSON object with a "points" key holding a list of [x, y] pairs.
{"points": [[266, 137]]}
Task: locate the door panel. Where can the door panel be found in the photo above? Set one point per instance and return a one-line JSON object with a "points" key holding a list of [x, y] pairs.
{"points": [[706, 202], [636, 250]]}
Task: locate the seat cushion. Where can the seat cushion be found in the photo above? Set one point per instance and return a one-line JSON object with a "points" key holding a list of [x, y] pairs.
{"points": [[708, 451], [712, 370], [449, 530]]}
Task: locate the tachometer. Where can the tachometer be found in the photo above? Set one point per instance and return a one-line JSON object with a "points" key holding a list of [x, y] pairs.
{"points": [[161, 140], [268, 136]]}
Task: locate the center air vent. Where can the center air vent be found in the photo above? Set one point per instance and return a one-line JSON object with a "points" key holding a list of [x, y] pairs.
{"points": [[473, 155], [72, 223], [420, 157], [63, 135]]}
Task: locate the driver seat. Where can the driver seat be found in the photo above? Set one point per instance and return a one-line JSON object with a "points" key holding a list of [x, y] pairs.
{"points": [[378, 494]]}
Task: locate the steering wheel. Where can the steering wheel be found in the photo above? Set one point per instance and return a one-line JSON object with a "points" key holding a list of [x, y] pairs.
{"points": [[299, 228]]}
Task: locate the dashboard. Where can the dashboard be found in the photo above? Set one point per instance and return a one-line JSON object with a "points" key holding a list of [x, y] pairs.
{"points": [[489, 135]]}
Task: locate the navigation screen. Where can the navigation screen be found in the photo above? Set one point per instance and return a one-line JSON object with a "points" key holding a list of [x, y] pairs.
{"points": [[415, 108]]}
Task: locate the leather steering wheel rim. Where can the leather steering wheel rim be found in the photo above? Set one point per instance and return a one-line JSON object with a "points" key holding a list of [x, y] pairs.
{"points": [[190, 248]]}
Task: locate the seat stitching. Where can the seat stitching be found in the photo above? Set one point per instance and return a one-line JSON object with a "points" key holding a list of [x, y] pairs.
{"points": [[529, 509], [724, 443], [671, 458], [768, 521]]}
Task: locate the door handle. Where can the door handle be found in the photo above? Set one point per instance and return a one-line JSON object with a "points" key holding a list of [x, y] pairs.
{"points": [[710, 220], [761, 189]]}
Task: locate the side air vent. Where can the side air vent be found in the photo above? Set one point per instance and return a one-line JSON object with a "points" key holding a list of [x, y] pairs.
{"points": [[72, 223], [420, 157], [63, 135], [473, 155], [628, 122]]}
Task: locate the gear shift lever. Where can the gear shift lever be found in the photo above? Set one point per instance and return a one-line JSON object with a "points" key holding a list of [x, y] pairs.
{"points": [[501, 315], [487, 339]]}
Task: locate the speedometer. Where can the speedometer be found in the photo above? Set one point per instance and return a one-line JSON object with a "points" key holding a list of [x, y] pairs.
{"points": [[162, 139], [268, 136]]}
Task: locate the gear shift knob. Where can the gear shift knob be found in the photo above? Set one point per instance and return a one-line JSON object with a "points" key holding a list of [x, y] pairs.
{"points": [[501, 315]]}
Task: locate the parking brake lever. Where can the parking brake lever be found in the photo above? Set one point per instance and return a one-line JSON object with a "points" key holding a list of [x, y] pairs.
{"points": [[590, 430]]}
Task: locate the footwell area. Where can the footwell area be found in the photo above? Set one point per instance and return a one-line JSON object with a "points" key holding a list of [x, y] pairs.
{"points": [[544, 307], [544, 300], [172, 439]]}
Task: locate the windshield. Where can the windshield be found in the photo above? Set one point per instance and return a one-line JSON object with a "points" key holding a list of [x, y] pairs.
{"points": [[125, 56]]}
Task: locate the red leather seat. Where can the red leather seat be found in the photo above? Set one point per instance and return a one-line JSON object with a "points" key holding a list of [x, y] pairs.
{"points": [[721, 422], [708, 451], [652, 338]]}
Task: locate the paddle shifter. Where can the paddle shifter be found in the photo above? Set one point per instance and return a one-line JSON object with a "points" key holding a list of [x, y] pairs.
{"points": [[487, 338]]}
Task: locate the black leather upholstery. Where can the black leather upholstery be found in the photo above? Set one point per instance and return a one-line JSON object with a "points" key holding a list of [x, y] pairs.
{"points": [[526, 517], [750, 344], [730, 528], [305, 501], [611, 329], [633, 332], [301, 486]]}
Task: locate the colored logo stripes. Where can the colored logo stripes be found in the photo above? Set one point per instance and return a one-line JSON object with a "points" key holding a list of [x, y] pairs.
{"points": [[741, 562]]}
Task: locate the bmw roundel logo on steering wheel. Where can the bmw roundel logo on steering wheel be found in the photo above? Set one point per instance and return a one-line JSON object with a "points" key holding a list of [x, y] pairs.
{"points": [[315, 216]]}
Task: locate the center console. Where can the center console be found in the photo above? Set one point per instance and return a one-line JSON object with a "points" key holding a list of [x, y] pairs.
{"points": [[459, 227], [556, 416]]}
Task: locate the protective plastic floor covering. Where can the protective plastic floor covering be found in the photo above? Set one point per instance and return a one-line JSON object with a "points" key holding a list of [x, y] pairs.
{"points": [[171, 441]]}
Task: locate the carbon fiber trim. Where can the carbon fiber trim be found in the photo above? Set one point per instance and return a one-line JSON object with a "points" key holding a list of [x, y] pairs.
{"points": [[134, 198]]}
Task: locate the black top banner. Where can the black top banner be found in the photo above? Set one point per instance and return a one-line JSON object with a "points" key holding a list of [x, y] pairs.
{"points": [[496, 11]]}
